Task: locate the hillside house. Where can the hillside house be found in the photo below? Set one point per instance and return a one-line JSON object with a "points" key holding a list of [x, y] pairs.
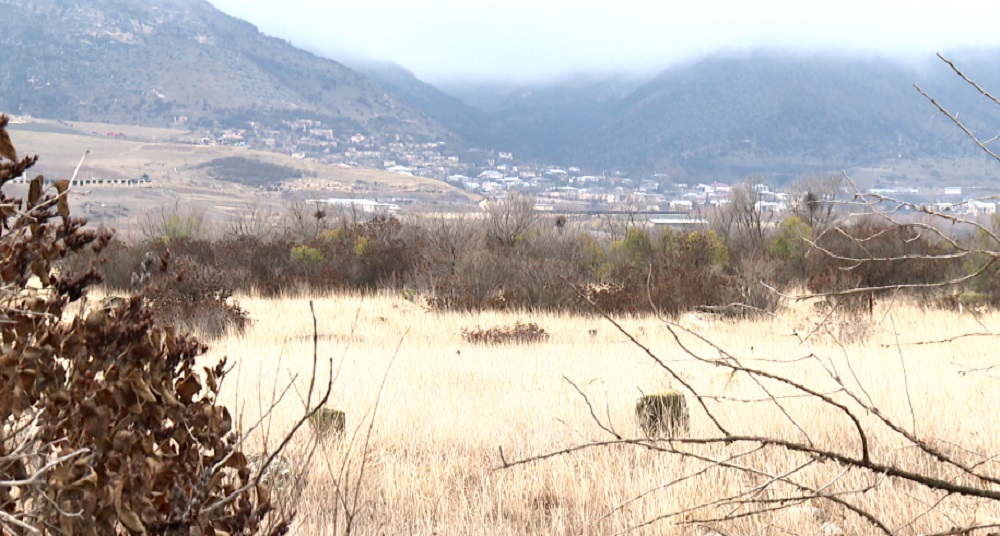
{"points": [[231, 137], [681, 205]]}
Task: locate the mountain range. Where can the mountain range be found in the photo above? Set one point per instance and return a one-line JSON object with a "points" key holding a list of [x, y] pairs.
{"points": [[165, 62]]}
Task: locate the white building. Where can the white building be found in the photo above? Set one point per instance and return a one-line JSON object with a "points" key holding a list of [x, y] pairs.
{"points": [[364, 205], [680, 222], [681, 205], [402, 170], [979, 208]]}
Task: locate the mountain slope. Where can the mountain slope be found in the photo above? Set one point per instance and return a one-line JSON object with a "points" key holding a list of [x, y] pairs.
{"points": [[776, 109], [152, 62], [738, 115], [449, 111], [543, 121]]}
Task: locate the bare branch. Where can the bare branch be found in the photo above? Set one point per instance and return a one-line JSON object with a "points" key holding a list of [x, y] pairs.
{"points": [[959, 124], [979, 88]]}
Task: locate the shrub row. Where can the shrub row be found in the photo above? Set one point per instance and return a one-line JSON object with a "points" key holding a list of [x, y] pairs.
{"points": [[464, 265]]}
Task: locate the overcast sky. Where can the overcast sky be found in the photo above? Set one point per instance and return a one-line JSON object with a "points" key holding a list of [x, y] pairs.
{"points": [[537, 39]]}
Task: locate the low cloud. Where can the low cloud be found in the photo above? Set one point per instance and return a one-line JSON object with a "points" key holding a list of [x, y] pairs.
{"points": [[441, 39]]}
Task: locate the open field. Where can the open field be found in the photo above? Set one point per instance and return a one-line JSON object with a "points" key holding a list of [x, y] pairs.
{"points": [[448, 407]]}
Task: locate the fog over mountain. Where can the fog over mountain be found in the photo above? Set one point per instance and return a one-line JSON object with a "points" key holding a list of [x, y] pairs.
{"points": [[724, 114], [542, 40], [739, 113]]}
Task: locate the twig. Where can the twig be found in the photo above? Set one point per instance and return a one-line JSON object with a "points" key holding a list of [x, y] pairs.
{"points": [[76, 171], [959, 124], [591, 408]]}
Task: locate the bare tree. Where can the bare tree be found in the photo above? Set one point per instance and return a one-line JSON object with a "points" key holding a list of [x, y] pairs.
{"points": [[744, 222], [617, 224], [255, 219], [306, 220], [448, 241], [982, 143], [815, 198], [509, 217]]}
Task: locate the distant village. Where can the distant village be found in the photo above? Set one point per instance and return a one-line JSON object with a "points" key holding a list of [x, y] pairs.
{"points": [[555, 188]]}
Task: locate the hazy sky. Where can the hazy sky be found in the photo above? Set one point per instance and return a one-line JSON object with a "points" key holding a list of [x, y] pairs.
{"points": [[530, 39]]}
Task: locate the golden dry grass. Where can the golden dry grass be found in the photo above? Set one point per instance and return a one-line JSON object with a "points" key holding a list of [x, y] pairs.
{"points": [[171, 164], [448, 407], [166, 160]]}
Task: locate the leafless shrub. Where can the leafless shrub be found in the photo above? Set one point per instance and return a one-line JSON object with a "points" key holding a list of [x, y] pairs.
{"points": [[254, 219], [510, 217], [304, 221], [173, 221], [817, 200]]}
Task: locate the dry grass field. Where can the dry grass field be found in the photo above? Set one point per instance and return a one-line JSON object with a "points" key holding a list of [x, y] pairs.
{"points": [[427, 459]]}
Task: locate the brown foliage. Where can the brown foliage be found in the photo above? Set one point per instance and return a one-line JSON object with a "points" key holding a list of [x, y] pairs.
{"points": [[180, 281], [114, 427], [679, 272]]}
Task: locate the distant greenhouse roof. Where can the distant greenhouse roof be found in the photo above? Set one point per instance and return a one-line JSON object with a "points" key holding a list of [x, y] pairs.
{"points": [[367, 204]]}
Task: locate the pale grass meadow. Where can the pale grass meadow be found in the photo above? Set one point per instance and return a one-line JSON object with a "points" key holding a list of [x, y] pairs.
{"points": [[432, 462]]}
